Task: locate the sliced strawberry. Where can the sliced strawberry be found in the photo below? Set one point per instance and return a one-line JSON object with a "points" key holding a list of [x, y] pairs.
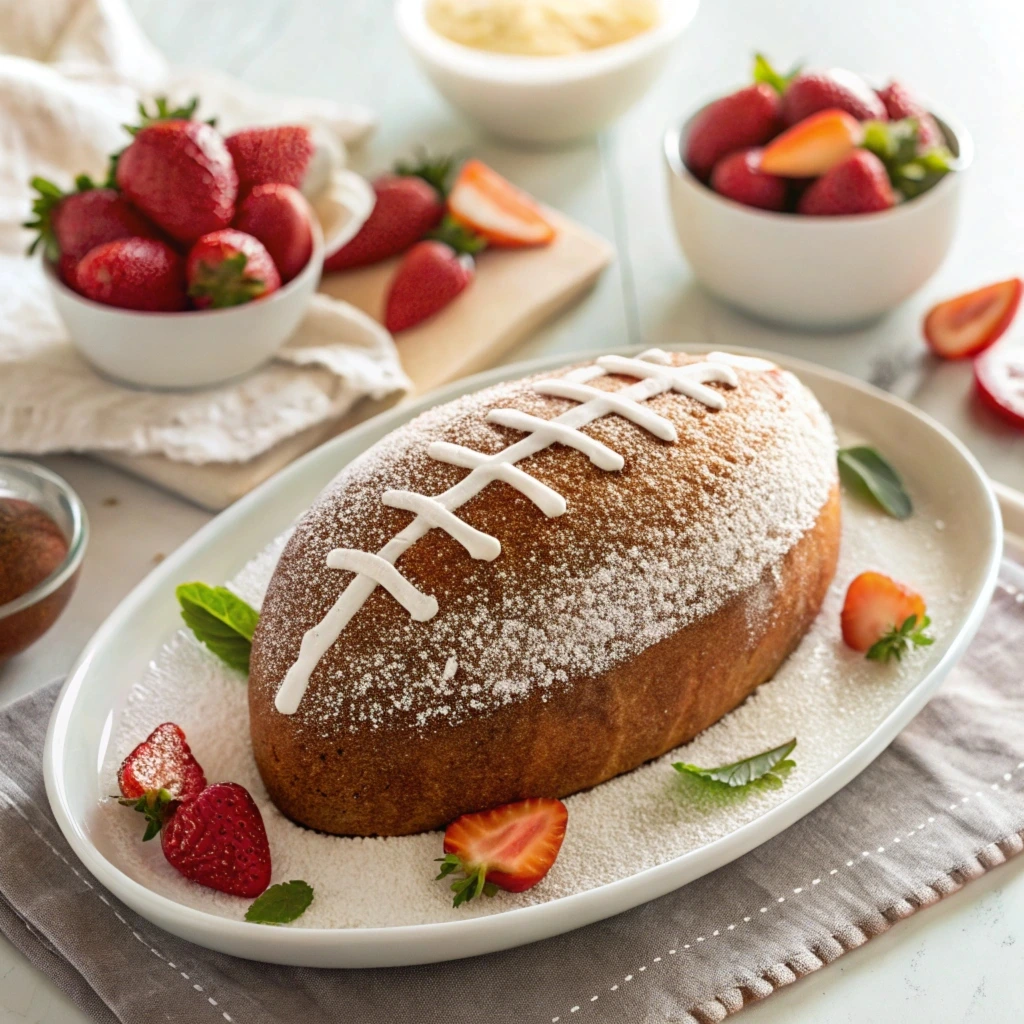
{"points": [[968, 324], [482, 200], [813, 146], [407, 207], [999, 376], [511, 847], [429, 277], [262, 156], [883, 617], [159, 773], [218, 839]]}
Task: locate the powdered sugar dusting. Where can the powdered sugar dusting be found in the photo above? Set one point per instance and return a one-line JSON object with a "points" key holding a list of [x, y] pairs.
{"points": [[825, 694]]}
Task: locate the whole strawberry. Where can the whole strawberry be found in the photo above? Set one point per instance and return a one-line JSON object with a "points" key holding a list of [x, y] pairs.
{"points": [[746, 118], [859, 184], [279, 216], [429, 277], [218, 839], [134, 273], [900, 103], [180, 174], [838, 89], [739, 177], [70, 224], [229, 268], [264, 155], [410, 202]]}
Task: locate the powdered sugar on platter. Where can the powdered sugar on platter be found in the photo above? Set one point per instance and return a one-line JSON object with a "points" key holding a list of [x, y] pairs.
{"points": [[826, 695]]}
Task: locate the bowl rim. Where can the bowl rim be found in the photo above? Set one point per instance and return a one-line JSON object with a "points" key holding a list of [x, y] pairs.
{"points": [[525, 69], [954, 129], [313, 265], [77, 542]]}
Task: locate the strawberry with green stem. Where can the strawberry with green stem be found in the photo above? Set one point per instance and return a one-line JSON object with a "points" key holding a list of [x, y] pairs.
{"points": [[229, 268], [883, 618]]}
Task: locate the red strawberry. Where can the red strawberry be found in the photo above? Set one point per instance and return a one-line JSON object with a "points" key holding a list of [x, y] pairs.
{"points": [[883, 617], [739, 177], [746, 118], [900, 103], [968, 324], [265, 155], [279, 216], [811, 91], [428, 278], [162, 761], [229, 268], [999, 376], [511, 847], [813, 146], [180, 174], [71, 224], [134, 273], [859, 184], [407, 208], [218, 840]]}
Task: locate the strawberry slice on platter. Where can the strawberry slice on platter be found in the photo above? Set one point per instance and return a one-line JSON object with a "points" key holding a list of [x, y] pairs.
{"points": [[813, 146], [483, 201], [511, 847], [970, 323], [999, 377], [883, 618]]}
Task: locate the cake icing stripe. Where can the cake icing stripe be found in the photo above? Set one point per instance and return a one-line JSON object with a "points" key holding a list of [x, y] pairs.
{"points": [[655, 376], [629, 409], [553, 432], [477, 543]]}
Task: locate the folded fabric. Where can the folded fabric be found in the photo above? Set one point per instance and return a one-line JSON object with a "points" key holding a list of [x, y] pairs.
{"points": [[941, 806], [71, 74]]}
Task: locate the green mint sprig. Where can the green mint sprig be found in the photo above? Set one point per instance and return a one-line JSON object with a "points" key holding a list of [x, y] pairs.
{"points": [[219, 619], [865, 471], [774, 762], [281, 903]]}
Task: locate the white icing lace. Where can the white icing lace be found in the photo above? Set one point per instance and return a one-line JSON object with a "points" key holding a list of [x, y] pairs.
{"points": [[655, 375]]}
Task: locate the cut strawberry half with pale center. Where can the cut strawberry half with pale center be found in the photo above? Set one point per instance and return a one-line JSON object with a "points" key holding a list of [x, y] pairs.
{"points": [[883, 618], [483, 200], [999, 375], [511, 847], [813, 146], [968, 324]]}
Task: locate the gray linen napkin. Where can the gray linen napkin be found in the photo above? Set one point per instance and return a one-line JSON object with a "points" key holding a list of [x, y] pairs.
{"points": [[941, 806]]}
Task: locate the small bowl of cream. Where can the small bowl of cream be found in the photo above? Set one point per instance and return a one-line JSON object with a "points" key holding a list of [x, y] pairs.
{"points": [[542, 71]]}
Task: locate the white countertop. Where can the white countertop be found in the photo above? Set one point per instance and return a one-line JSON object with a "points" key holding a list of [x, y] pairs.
{"points": [[960, 961]]}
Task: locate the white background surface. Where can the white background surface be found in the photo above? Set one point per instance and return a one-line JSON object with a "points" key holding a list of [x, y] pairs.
{"points": [[960, 961]]}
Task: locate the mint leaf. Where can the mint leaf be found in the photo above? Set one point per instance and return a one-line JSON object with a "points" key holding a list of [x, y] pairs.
{"points": [[765, 74], [281, 903], [867, 472], [220, 620], [742, 773]]}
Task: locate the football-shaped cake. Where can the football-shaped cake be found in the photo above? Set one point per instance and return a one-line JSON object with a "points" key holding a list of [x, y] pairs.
{"points": [[539, 586]]}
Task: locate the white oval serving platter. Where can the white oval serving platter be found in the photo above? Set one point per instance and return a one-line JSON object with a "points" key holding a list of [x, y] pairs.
{"points": [[84, 717]]}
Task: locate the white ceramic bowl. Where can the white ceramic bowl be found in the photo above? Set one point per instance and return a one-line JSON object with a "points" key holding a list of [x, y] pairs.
{"points": [[824, 273], [192, 349], [543, 99]]}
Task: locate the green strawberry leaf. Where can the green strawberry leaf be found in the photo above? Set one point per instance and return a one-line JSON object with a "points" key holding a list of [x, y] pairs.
{"points": [[226, 283], [473, 883], [219, 619], [158, 805], [897, 145], [869, 474], [901, 639], [750, 769], [765, 74], [436, 171], [458, 236], [281, 903]]}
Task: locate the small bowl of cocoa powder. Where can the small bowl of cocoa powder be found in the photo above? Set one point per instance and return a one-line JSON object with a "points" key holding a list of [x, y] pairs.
{"points": [[43, 535]]}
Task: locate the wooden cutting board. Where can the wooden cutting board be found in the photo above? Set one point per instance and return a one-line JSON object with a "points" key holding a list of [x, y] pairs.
{"points": [[513, 294]]}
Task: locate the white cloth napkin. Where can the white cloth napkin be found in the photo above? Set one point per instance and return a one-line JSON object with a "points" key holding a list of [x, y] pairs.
{"points": [[71, 74]]}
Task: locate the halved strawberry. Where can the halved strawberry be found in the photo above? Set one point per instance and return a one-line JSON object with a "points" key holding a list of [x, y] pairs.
{"points": [[482, 200], [812, 146], [999, 376], [511, 847], [968, 324], [883, 617], [158, 774]]}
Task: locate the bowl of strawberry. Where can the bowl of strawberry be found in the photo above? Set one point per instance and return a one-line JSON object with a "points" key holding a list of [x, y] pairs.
{"points": [[812, 199], [196, 258]]}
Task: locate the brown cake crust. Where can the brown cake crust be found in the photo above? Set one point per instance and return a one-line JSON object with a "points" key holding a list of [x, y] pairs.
{"points": [[596, 641]]}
